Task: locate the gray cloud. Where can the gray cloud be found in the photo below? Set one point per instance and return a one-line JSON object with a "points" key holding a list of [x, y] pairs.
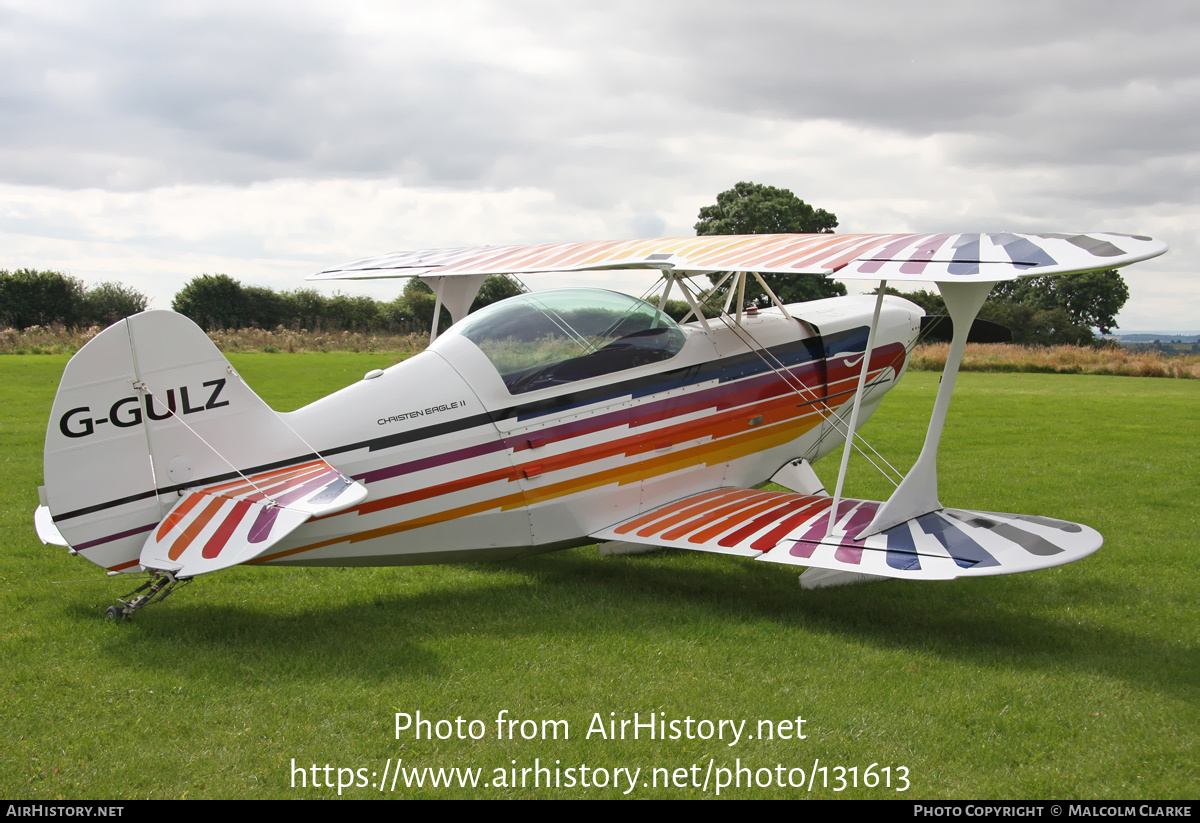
{"points": [[1095, 100]]}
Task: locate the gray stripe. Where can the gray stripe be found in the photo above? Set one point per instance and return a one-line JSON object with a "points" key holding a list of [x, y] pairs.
{"points": [[1032, 543]]}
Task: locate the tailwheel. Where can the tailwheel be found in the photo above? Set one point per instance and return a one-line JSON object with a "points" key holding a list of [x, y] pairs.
{"points": [[154, 590]]}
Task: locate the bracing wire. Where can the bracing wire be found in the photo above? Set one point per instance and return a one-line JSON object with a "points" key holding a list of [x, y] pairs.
{"points": [[836, 421]]}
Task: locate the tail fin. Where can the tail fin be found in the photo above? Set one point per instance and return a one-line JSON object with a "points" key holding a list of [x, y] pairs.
{"points": [[149, 416]]}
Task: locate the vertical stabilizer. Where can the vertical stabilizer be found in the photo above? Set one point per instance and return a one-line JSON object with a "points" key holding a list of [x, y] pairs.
{"points": [[148, 410]]}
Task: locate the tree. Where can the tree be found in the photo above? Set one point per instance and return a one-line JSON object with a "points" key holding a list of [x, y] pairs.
{"points": [[751, 208], [1091, 300], [496, 287], [39, 298], [213, 301], [107, 303]]}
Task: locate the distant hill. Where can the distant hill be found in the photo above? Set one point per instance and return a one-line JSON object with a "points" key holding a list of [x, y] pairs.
{"points": [[1151, 336]]}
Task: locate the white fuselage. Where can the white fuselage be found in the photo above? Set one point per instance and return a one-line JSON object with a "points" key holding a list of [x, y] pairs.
{"points": [[457, 467]]}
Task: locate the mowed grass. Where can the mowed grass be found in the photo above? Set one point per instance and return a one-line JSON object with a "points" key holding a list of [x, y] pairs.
{"points": [[1075, 682]]}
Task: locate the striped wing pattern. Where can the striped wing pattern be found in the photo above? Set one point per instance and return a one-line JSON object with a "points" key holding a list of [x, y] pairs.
{"points": [[784, 527], [941, 257], [228, 523]]}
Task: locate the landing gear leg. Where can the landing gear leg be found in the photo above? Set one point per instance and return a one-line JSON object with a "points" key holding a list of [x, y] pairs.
{"points": [[154, 590]]}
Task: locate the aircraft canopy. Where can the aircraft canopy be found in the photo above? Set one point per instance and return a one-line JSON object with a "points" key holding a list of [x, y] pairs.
{"points": [[548, 338]]}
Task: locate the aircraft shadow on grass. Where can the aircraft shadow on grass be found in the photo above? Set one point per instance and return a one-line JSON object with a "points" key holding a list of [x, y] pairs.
{"points": [[585, 599]]}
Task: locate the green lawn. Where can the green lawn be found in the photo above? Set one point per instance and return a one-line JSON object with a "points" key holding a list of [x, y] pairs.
{"points": [[1076, 682]]}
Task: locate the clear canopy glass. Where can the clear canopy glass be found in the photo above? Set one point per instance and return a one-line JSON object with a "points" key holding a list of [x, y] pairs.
{"points": [[560, 336]]}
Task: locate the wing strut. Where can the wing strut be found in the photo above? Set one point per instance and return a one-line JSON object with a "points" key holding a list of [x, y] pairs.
{"points": [[917, 493], [692, 302], [455, 293], [858, 396]]}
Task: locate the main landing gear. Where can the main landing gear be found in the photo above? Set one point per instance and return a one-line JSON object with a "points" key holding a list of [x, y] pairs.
{"points": [[154, 590]]}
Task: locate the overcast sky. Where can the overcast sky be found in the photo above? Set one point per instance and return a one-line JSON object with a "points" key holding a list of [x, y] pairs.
{"points": [[153, 142]]}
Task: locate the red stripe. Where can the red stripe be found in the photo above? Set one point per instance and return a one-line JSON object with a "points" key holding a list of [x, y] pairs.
{"points": [[195, 527], [769, 540], [217, 542], [793, 503]]}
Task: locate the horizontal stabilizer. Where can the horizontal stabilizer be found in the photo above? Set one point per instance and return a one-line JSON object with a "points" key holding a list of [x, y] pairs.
{"points": [[47, 532], [788, 528], [229, 523]]}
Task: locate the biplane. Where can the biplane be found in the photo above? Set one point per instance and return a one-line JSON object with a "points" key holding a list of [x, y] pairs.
{"points": [[555, 419]]}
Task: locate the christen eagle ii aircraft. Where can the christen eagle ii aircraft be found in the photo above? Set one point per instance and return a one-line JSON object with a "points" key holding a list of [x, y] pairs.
{"points": [[553, 419]]}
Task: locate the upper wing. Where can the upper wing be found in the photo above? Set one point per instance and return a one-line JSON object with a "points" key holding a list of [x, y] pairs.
{"points": [[954, 257], [785, 527]]}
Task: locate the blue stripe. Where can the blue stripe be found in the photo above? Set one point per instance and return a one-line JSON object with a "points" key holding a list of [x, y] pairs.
{"points": [[965, 551], [901, 549], [1022, 251], [966, 255]]}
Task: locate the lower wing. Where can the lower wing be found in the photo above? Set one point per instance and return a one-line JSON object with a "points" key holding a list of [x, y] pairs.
{"points": [[785, 527]]}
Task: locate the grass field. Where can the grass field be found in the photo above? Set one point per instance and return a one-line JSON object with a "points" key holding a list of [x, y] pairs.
{"points": [[1076, 682]]}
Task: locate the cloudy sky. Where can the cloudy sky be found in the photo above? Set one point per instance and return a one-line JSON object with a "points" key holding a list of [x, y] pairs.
{"points": [[152, 142]]}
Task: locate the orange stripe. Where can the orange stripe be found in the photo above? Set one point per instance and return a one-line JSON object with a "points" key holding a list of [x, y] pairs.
{"points": [[293, 482], [806, 252], [788, 524], [699, 504], [651, 516], [716, 426], [740, 517], [729, 423], [791, 503], [707, 516], [195, 527], [243, 483], [177, 514]]}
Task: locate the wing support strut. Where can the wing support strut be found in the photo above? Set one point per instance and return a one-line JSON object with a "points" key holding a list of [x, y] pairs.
{"points": [[858, 396], [455, 293], [691, 300], [917, 493]]}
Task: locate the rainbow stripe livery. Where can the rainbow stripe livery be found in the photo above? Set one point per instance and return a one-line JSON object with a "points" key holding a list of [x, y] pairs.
{"points": [[550, 420]]}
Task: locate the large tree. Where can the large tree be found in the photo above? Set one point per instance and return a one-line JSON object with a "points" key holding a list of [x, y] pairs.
{"points": [[213, 301], [752, 208], [1091, 300]]}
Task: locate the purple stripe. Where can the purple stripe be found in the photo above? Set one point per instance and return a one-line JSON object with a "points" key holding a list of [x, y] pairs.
{"points": [[807, 544], [884, 255], [111, 537], [924, 253], [851, 550], [431, 462], [263, 524], [306, 489]]}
